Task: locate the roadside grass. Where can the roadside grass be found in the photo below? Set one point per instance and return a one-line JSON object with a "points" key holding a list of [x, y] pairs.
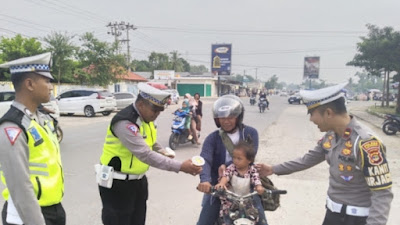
{"points": [[380, 111]]}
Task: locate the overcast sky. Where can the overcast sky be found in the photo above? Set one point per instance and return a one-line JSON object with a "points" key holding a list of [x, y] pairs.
{"points": [[267, 37]]}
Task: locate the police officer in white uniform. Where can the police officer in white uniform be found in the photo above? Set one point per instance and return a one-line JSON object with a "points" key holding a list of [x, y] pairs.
{"points": [[30, 159], [129, 149], [359, 183]]}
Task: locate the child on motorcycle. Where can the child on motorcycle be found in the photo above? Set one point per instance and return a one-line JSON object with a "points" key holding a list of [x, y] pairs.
{"points": [[241, 177], [186, 108]]}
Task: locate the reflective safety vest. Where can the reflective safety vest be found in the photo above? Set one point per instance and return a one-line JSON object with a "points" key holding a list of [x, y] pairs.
{"points": [[46, 174], [130, 164]]}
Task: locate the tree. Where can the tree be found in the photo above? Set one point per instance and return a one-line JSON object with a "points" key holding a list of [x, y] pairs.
{"points": [[366, 82], [198, 69], [176, 61], [186, 66], [62, 52], [379, 53], [159, 61], [99, 64], [272, 82], [142, 65], [315, 84], [15, 48]]}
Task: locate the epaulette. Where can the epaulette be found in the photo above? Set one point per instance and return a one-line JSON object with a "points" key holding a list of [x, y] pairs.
{"points": [[363, 132]]}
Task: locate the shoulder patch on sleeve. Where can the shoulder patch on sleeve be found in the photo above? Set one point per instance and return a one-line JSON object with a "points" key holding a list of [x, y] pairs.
{"points": [[12, 133], [133, 128], [373, 150], [375, 165]]}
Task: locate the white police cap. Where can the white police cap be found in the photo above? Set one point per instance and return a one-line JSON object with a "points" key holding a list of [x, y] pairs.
{"points": [[315, 98], [39, 64], [155, 96]]}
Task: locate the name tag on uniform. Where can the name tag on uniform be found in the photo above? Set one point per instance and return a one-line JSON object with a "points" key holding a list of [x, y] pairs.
{"points": [[36, 136]]}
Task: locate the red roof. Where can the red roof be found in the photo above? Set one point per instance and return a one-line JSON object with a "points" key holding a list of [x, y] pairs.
{"points": [[131, 76], [158, 85]]}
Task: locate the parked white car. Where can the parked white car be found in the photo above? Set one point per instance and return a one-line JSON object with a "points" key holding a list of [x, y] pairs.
{"points": [[87, 102], [124, 99], [7, 97]]}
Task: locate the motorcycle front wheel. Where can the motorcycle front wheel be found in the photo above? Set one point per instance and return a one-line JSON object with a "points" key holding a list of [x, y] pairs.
{"points": [[59, 134], [174, 141], [386, 128]]}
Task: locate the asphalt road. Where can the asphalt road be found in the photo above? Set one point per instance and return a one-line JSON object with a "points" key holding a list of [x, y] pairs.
{"points": [[173, 198], [285, 133]]}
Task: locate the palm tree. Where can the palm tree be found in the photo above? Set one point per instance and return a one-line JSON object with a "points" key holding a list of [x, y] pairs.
{"points": [[62, 49], [176, 61]]}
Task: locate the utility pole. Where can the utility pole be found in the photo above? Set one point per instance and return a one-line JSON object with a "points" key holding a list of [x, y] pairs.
{"points": [[127, 27], [115, 30], [256, 73]]}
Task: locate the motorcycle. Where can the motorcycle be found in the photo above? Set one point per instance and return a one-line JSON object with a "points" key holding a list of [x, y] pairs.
{"points": [[242, 210], [252, 100], [391, 125], [59, 131], [179, 135], [263, 104]]}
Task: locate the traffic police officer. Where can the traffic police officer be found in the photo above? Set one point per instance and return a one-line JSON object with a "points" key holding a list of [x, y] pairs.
{"points": [[30, 155], [130, 148], [359, 183]]}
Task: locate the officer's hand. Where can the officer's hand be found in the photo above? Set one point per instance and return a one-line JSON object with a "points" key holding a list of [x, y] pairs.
{"points": [[204, 187], [188, 167], [264, 169], [221, 170]]}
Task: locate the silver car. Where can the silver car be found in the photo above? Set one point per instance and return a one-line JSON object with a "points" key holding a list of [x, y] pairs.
{"points": [[124, 99]]}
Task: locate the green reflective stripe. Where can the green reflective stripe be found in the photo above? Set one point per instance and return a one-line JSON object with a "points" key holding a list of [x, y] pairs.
{"points": [[111, 142], [41, 165], [110, 136], [35, 172]]}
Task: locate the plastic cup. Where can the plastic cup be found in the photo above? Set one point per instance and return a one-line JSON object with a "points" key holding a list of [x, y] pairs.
{"points": [[198, 160]]}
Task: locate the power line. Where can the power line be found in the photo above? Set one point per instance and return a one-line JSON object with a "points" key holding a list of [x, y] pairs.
{"points": [[284, 33], [251, 31]]}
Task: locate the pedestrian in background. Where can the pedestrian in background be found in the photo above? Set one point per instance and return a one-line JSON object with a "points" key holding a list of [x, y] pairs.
{"points": [[30, 155], [360, 183], [199, 111], [193, 108], [129, 150]]}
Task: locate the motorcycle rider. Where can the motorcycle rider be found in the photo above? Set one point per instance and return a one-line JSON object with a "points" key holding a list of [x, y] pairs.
{"points": [[253, 98], [228, 113], [263, 95]]}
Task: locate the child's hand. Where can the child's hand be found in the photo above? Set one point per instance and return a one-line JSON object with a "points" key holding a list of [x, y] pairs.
{"points": [[219, 186], [260, 189]]}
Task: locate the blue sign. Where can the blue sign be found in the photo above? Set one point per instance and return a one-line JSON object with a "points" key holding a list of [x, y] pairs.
{"points": [[221, 59]]}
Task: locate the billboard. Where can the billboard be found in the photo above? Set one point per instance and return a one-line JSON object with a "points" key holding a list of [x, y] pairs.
{"points": [[311, 67], [221, 59], [164, 74]]}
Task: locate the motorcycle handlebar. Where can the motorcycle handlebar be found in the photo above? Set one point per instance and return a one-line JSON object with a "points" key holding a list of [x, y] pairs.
{"points": [[276, 192], [221, 191]]}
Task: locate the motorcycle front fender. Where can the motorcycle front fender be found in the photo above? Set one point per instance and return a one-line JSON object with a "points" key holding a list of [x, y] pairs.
{"points": [[176, 131]]}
